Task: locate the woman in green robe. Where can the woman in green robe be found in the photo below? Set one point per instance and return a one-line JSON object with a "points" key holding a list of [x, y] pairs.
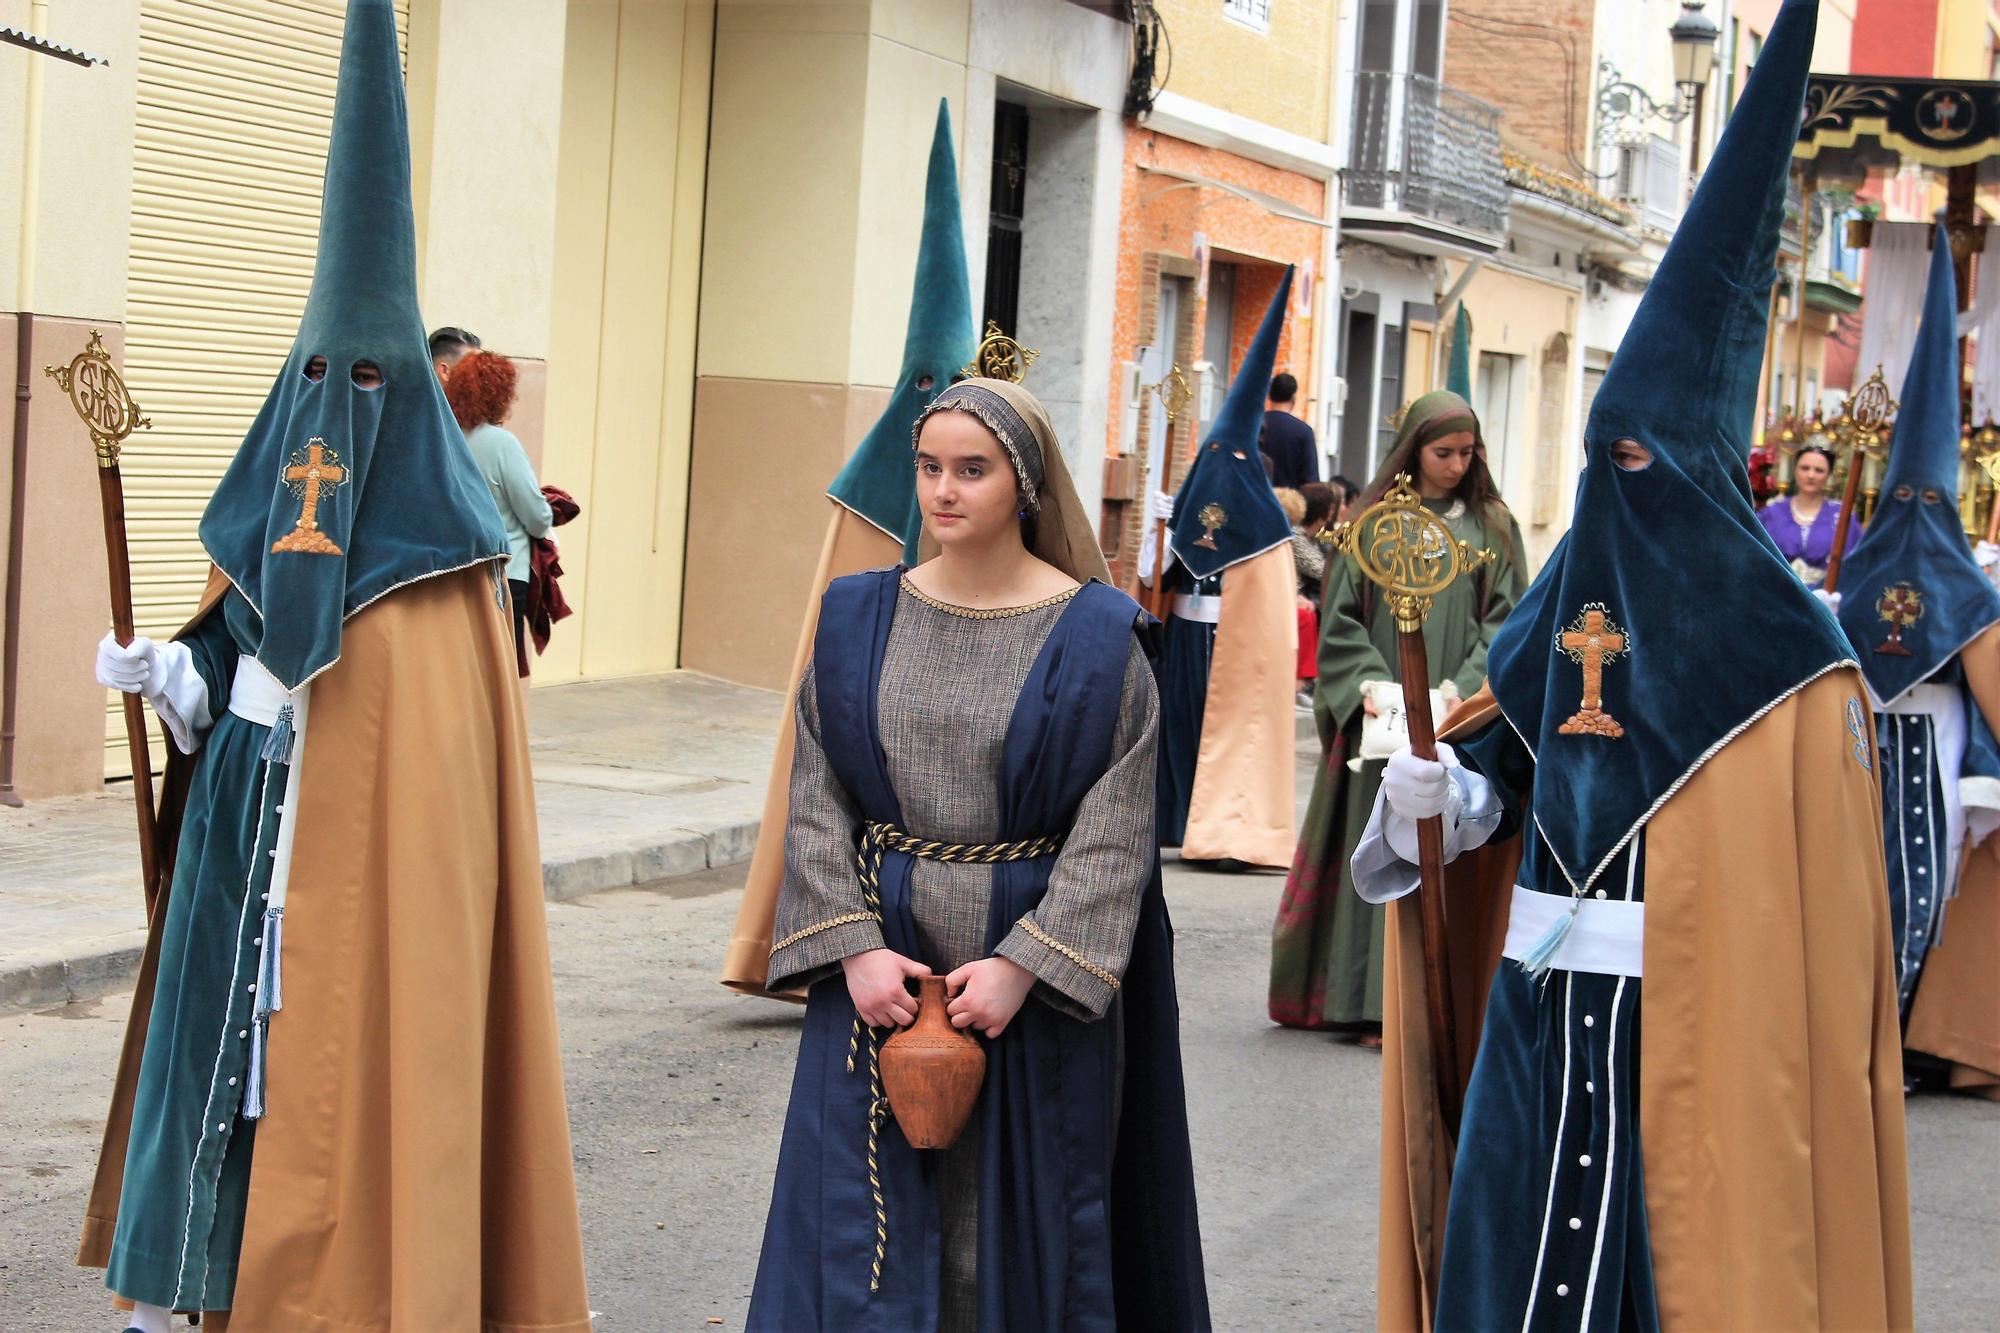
{"points": [[1326, 950]]}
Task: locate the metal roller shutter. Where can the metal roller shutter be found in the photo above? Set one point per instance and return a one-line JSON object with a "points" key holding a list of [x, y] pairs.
{"points": [[235, 104]]}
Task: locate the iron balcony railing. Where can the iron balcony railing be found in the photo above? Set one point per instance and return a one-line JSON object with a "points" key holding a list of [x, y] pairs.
{"points": [[1421, 147]]}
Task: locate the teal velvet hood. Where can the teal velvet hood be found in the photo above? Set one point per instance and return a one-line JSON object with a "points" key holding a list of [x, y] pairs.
{"points": [[879, 481], [1226, 511], [1459, 377], [1666, 587], [1914, 556], [340, 494]]}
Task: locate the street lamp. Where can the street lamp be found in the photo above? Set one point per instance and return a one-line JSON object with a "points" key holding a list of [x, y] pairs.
{"points": [[1623, 106], [1694, 35]]}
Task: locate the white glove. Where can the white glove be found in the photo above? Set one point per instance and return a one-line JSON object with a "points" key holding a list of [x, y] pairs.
{"points": [[1418, 788], [1161, 507], [1829, 600], [1987, 554], [133, 668]]}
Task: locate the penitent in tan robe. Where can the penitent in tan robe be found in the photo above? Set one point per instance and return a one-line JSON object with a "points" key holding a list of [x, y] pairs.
{"points": [[852, 545], [413, 1169], [1242, 805], [1771, 1096]]}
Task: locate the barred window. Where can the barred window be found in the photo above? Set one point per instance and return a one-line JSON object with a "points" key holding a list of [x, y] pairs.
{"points": [[1250, 13]]}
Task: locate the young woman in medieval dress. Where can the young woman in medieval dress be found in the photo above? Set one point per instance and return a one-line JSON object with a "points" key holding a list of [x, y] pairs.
{"points": [[996, 694], [1326, 954]]}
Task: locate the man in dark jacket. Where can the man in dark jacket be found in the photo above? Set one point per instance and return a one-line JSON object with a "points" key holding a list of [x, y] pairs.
{"points": [[1291, 455]]}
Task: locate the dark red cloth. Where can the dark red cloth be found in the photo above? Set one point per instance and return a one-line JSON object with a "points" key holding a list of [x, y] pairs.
{"points": [[1308, 663], [546, 603]]}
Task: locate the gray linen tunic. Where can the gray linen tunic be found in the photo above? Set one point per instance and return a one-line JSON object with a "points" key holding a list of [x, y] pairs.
{"points": [[950, 678]]}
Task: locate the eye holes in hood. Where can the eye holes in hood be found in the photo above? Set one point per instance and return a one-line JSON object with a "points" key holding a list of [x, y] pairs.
{"points": [[365, 374], [1630, 455]]}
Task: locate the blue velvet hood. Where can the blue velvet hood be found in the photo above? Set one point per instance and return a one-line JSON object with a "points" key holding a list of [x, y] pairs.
{"points": [[879, 480], [1914, 557], [1666, 586], [1227, 483], [340, 494]]}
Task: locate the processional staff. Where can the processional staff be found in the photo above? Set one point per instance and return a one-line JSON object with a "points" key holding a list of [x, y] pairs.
{"points": [[1411, 554], [98, 393], [1870, 410], [1174, 395]]}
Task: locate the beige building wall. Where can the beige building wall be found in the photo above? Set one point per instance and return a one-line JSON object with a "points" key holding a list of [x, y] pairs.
{"points": [[823, 116], [486, 99], [1537, 451], [65, 262], [1283, 78], [806, 281], [626, 275]]}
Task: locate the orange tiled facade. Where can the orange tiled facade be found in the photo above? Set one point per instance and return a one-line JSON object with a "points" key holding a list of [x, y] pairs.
{"points": [[1159, 219]]}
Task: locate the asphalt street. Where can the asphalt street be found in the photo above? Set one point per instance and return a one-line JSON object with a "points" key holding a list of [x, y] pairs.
{"points": [[677, 1090]]}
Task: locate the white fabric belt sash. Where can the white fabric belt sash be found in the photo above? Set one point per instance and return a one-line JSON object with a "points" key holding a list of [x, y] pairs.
{"points": [[1924, 699], [1607, 937], [256, 696], [1188, 606]]}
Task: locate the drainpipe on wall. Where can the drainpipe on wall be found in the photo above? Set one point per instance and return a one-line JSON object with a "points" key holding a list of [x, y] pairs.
{"points": [[24, 329]]}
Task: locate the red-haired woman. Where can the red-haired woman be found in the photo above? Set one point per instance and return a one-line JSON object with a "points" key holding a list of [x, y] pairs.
{"points": [[481, 393]]}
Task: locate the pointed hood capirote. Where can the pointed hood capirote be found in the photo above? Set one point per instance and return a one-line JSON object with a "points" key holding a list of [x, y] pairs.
{"points": [[1914, 563], [1666, 622], [878, 481], [340, 493], [1458, 378], [1226, 511]]}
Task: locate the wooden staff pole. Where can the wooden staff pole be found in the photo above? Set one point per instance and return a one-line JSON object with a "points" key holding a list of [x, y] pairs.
{"points": [[1156, 596], [98, 394], [1857, 459], [111, 494], [1414, 667], [1412, 556]]}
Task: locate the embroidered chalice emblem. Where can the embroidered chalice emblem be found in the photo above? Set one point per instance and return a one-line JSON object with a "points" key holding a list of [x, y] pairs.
{"points": [[1858, 732], [1900, 605], [311, 476], [1213, 518], [1592, 641]]}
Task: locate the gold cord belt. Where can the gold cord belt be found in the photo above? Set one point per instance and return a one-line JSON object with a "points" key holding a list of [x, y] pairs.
{"points": [[877, 840]]}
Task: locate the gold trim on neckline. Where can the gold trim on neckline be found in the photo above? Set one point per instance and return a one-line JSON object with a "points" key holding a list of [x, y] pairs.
{"points": [[984, 612]]}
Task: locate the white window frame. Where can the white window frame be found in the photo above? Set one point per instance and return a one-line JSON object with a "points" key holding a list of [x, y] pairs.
{"points": [[1252, 14]]}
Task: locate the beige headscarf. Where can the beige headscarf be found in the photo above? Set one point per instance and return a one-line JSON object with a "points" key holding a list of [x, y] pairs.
{"points": [[1063, 533]]}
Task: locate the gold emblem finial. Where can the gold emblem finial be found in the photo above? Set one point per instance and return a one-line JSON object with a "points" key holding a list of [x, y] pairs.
{"points": [[1000, 357], [98, 393], [1174, 393], [1407, 551]]}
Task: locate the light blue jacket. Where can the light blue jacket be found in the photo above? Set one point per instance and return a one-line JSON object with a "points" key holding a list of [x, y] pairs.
{"points": [[511, 478]]}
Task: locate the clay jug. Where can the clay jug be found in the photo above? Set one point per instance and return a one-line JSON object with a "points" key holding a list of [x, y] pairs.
{"points": [[931, 1072]]}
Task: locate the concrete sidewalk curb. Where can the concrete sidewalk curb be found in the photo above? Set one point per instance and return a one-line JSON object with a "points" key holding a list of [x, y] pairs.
{"points": [[109, 965]]}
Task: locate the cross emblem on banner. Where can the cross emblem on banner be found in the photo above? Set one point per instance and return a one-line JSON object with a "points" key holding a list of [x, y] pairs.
{"points": [[1592, 641], [314, 471]]}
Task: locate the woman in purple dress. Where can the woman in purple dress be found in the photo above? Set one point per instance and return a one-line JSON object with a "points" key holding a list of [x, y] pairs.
{"points": [[1803, 523]]}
